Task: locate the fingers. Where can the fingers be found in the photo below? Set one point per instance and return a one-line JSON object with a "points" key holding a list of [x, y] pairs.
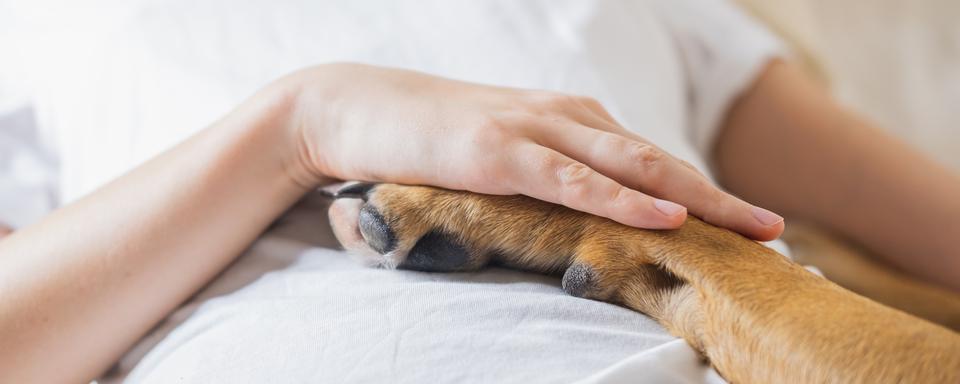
{"points": [[644, 167], [5, 230], [593, 114], [549, 175]]}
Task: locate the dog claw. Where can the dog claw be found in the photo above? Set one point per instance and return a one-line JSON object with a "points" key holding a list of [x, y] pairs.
{"points": [[376, 231], [358, 190]]}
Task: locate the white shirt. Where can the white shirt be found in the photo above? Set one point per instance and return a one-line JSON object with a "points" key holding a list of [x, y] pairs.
{"points": [[141, 76]]}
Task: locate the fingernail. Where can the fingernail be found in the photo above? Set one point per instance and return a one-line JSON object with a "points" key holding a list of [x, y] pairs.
{"points": [[766, 217], [667, 207]]}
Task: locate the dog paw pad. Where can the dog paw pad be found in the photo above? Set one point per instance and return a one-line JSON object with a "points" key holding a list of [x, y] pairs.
{"points": [[578, 280], [437, 252]]}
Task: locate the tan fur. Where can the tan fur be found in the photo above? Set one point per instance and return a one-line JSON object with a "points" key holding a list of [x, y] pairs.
{"points": [[855, 269], [758, 317]]}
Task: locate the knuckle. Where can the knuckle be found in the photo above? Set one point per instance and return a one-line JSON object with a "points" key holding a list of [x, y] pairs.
{"points": [[554, 101], [620, 195], [490, 133], [573, 182], [646, 154], [591, 103], [493, 126], [564, 100], [609, 145], [649, 159], [573, 173]]}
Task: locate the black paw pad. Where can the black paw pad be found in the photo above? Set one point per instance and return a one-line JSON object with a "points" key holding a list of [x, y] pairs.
{"points": [[578, 280], [358, 190], [437, 252], [375, 230]]}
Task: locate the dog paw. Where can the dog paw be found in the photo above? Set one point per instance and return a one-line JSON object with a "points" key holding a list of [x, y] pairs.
{"points": [[404, 227], [438, 230]]}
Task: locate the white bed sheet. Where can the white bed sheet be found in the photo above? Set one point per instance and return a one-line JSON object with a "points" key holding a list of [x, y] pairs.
{"points": [[28, 170], [314, 315]]}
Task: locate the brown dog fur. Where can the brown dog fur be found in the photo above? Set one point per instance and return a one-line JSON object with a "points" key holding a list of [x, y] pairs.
{"points": [[757, 316], [857, 270]]}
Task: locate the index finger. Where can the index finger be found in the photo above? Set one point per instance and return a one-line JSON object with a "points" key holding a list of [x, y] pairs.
{"points": [[548, 175]]}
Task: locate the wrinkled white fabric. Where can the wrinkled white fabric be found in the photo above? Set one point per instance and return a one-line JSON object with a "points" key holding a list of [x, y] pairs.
{"points": [[28, 170], [113, 85], [316, 316]]}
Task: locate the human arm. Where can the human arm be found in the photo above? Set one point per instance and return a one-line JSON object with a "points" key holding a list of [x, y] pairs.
{"points": [[787, 145], [81, 286]]}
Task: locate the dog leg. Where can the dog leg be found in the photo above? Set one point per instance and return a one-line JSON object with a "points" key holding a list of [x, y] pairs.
{"points": [[766, 319], [757, 316], [859, 271]]}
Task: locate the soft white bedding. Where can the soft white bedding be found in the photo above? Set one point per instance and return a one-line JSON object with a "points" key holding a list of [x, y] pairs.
{"points": [[317, 316], [28, 170]]}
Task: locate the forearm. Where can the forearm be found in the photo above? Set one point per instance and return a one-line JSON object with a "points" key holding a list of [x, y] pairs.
{"points": [[86, 282], [788, 146]]}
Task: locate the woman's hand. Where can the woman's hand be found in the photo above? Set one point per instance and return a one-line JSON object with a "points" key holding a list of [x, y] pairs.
{"points": [[359, 122]]}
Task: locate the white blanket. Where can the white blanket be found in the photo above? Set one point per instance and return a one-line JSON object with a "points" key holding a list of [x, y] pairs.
{"points": [[316, 316], [28, 170]]}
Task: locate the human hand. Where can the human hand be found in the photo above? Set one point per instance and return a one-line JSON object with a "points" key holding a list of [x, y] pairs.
{"points": [[359, 122]]}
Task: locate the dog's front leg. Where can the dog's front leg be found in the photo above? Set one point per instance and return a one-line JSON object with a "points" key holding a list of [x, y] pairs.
{"points": [[763, 319]]}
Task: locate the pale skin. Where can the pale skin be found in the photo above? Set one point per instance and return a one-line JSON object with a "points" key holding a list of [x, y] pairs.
{"points": [[129, 253], [862, 183]]}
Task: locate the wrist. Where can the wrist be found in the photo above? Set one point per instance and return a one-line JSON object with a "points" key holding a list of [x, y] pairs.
{"points": [[304, 99], [274, 118]]}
